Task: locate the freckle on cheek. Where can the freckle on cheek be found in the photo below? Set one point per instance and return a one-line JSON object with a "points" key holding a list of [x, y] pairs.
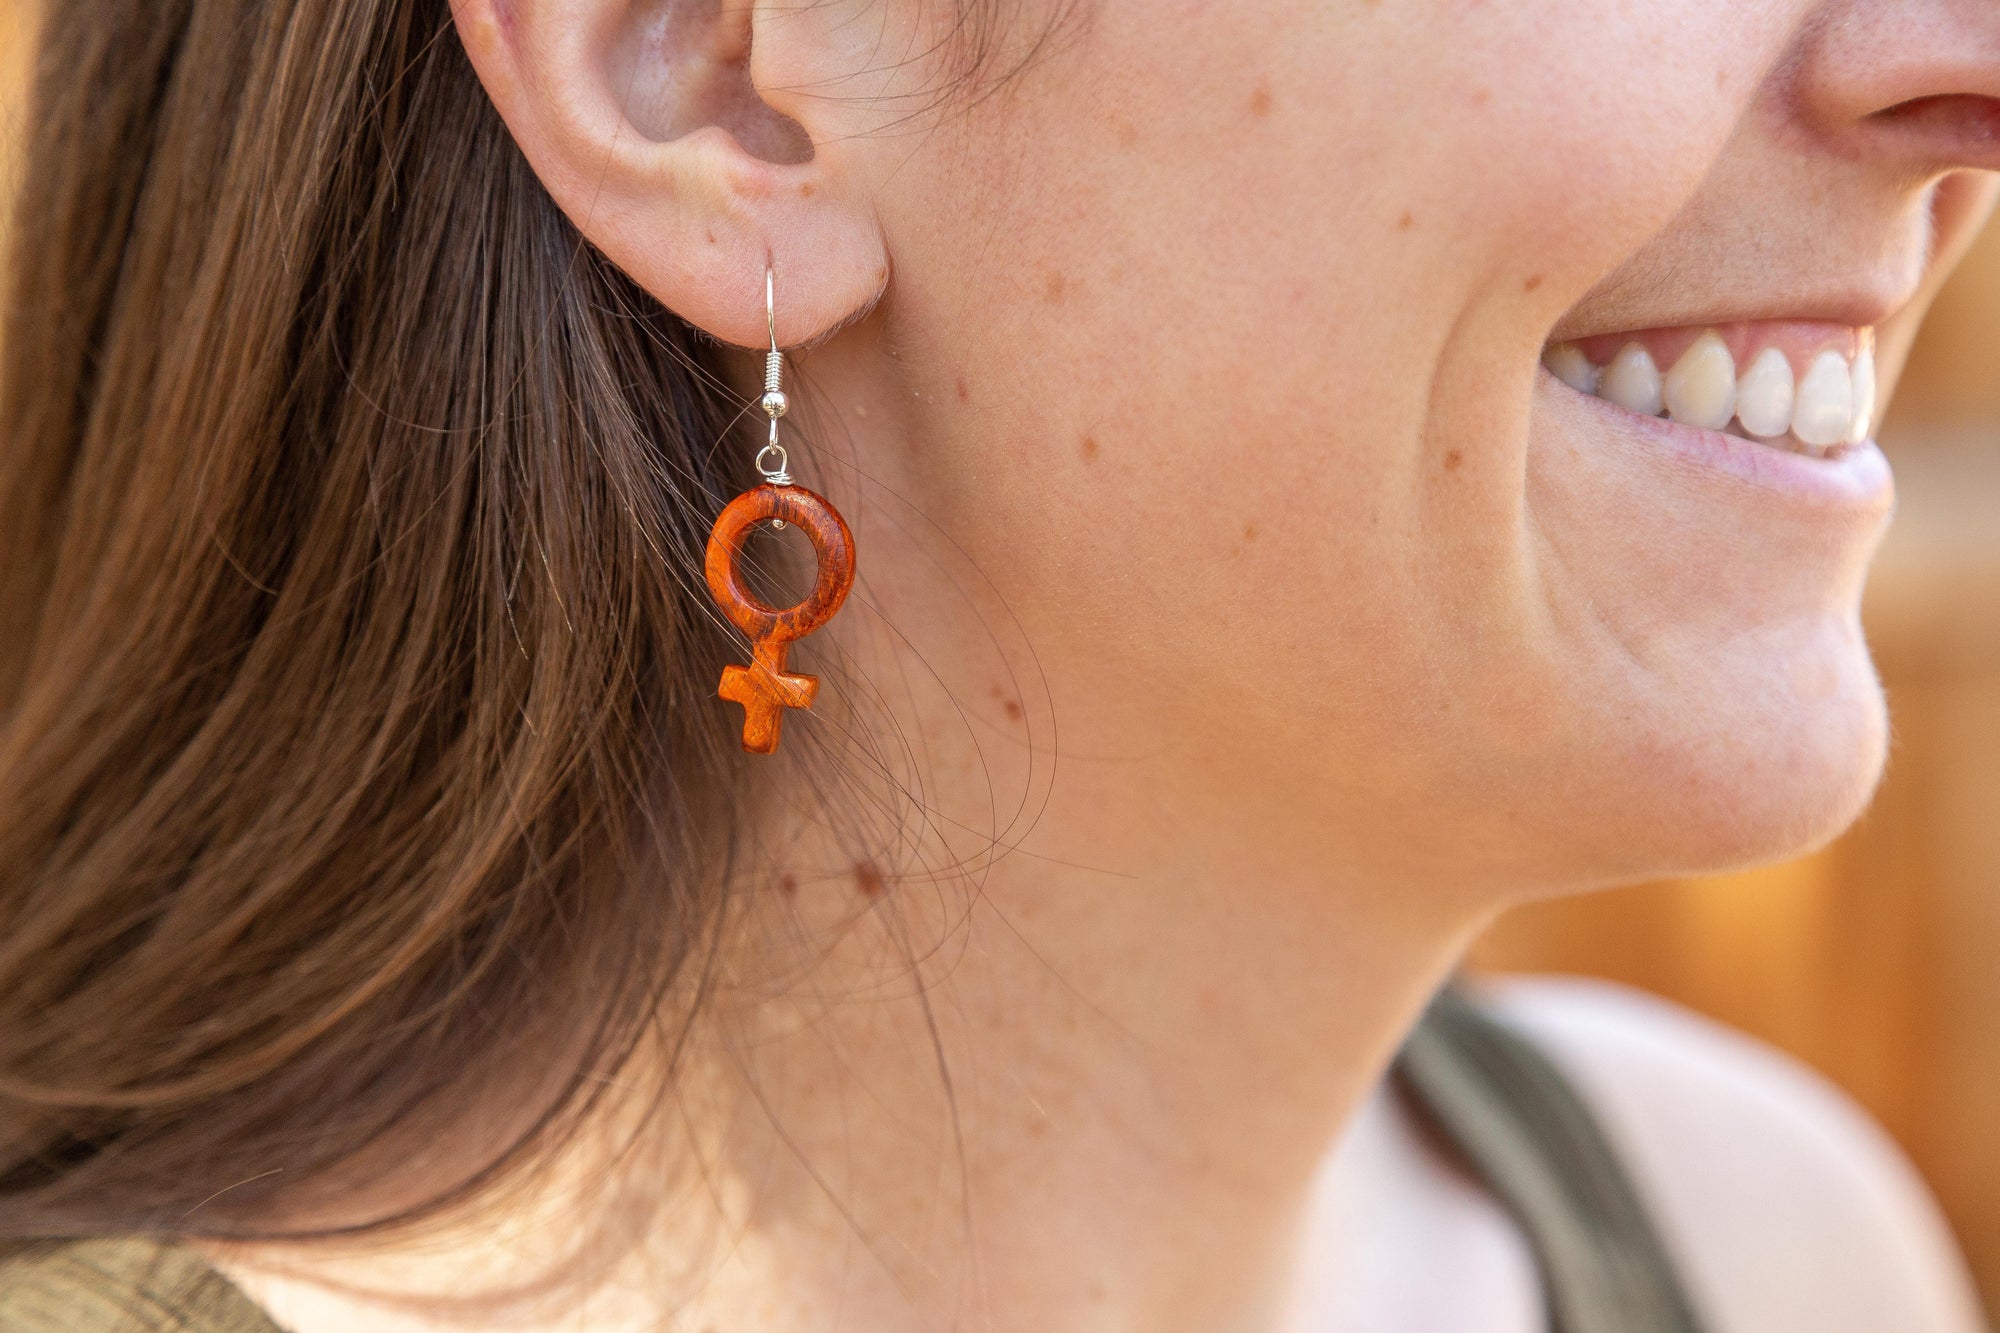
{"points": [[1057, 286], [1089, 447], [1532, 283], [1405, 222], [1260, 102], [1452, 460]]}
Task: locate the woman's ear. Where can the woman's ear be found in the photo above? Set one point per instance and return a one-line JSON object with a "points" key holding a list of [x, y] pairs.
{"points": [[681, 139]]}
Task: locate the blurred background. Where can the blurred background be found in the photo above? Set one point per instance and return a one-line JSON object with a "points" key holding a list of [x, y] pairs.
{"points": [[1874, 960]]}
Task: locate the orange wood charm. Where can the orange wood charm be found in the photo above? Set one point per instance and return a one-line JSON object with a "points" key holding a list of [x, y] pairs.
{"points": [[765, 688]]}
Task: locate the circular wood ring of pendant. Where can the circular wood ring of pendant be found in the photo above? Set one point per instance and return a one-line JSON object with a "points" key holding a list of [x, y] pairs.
{"points": [[830, 538]]}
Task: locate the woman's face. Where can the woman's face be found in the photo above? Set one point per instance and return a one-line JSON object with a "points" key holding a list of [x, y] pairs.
{"points": [[1215, 335], [1219, 333]]}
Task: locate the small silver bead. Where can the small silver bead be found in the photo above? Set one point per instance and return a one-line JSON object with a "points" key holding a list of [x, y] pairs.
{"points": [[775, 403]]}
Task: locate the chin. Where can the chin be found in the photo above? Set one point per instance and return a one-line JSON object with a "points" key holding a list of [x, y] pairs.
{"points": [[1765, 762]]}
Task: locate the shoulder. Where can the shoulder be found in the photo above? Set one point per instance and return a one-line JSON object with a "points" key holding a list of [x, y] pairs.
{"points": [[126, 1285], [1788, 1206]]}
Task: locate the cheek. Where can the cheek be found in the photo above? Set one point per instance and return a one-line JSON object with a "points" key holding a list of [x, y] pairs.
{"points": [[1240, 356], [1568, 133]]}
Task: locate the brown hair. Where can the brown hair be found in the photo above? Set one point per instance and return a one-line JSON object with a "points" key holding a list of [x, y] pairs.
{"points": [[359, 745]]}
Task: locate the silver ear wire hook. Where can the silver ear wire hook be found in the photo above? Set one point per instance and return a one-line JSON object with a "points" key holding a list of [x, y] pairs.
{"points": [[776, 471]]}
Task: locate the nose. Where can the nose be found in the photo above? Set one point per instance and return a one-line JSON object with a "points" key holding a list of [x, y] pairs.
{"points": [[1914, 81]]}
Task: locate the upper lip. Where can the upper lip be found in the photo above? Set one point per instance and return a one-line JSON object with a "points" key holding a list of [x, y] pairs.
{"points": [[1860, 306]]}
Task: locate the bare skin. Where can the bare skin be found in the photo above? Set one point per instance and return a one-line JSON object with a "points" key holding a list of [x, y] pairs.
{"points": [[1228, 554]]}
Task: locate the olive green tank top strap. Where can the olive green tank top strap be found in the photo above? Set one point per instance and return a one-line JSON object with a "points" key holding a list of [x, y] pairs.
{"points": [[1524, 1130], [121, 1286]]}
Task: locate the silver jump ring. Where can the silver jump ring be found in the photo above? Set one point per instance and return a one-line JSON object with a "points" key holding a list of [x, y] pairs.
{"points": [[780, 474]]}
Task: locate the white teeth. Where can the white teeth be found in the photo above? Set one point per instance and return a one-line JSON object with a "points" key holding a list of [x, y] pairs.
{"points": [[1864, 396], [1567, 363], [1764, 395], [1825, 407], [1701, 388], [1632, 381], [1834, 404]]}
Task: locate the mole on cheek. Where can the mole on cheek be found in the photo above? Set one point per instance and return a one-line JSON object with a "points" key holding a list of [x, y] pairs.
{"points": [[1452, 460], [1533, 282], [868, 879], [1056, 288], [1405, 222], [1260, 103], [1089, 447]]}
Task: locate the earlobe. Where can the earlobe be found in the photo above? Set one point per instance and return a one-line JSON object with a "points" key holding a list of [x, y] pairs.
{"points": [[645, 123]]}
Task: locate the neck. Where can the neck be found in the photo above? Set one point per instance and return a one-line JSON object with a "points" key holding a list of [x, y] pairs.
{"points": [[1053, 1097], [1069, 1100], [1087, 1083]]}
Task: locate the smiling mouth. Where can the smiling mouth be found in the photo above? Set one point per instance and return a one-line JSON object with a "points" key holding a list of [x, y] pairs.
{"points": [[1802, 387]]}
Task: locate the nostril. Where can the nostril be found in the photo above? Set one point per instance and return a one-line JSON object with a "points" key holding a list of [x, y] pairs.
{"points": [[1966, 111], [1957, 129]]}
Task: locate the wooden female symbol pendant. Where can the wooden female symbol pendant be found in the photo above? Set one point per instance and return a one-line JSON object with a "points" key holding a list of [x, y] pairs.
{"points": [[765, 688]]}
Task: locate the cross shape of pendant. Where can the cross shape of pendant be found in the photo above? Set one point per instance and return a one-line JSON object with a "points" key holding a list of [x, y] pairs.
{"points": [[766, 690]]}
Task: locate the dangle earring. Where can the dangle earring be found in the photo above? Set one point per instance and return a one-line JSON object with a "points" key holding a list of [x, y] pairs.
{"points": [[765, 688]]}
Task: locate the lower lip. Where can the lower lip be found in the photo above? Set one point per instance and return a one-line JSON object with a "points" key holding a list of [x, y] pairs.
{"points": [[1858, 477]]}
